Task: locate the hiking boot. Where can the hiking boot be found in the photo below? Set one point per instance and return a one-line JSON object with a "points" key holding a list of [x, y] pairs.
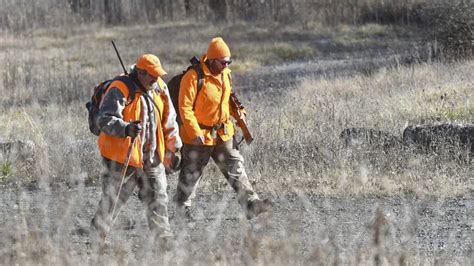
{"points": [[165, 244], [254, 208], [97, 241], [185, 212], [96, 231], [127, 224], [188, 213]]}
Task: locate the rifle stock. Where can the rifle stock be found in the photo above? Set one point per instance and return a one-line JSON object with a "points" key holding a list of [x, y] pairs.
{"points": [[237, 106]]}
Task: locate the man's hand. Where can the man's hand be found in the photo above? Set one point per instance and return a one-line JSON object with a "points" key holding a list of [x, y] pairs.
{"points": [[243, 116], [172, 162], [133, 129], [199, 140], [176, 162]]}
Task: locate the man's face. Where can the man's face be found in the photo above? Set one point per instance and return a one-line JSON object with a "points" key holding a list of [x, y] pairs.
{"points": [[146, 79], [218, 65]]}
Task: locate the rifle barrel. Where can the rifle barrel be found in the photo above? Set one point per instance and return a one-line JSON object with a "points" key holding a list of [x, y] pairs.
{"points": [[120, 59]]}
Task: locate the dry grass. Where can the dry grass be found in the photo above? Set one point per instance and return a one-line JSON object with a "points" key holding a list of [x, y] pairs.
{"points": [[304, 134], [297, 150], [53, 80]]}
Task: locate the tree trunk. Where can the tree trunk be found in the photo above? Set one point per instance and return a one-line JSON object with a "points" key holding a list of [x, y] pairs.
{"points": [[219, 9]]}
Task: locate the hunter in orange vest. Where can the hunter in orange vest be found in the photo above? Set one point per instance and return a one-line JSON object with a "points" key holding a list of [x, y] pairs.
{"points": [[149, 117]]}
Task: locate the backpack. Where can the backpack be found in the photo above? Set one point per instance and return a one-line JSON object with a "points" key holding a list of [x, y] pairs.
{"points": [[98, 93], [174, 85]]}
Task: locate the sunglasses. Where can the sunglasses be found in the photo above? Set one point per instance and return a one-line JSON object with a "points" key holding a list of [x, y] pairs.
{"points": [[225, 62]]}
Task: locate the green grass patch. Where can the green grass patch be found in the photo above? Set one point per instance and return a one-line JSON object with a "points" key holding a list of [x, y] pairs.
{"points": [[450, 105], [289, 52], [6, 170], [366, 30], [452, 113]]}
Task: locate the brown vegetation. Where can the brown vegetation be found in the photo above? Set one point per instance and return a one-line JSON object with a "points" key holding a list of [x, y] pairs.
{"points": [[306, 70], [55, 77]]}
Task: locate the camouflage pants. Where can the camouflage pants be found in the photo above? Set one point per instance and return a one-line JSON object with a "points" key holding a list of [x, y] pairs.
{"points": [[228, 159], [152, 184]]}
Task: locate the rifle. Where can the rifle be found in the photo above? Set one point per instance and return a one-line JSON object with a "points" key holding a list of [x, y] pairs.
{"points": [[237, 106], [120, 58]]}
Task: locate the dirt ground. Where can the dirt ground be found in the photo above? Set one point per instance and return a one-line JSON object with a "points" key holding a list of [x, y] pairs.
{"points": [[299, 228]]}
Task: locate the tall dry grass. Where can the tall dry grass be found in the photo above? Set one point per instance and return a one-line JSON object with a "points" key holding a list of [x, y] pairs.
{"points": [[302, 130], [299, 100], [43, 92]]}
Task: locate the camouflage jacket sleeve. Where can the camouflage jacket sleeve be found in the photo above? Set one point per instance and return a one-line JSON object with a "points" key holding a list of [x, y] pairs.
{"points": [[110, 118], [170, 126]]}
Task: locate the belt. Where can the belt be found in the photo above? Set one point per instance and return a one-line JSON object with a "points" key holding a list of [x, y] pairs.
{"points": [[215, 127]]}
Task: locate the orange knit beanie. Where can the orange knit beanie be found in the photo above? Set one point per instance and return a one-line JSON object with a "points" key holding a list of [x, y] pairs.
{"points": [[217, 49]]}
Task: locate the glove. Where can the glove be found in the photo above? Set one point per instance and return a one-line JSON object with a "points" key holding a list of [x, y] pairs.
{"points": [[172, 162], [176, 162], [133, 129]]}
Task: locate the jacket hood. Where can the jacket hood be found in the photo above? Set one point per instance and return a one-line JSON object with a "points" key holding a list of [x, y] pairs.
{"points": [[206, 70]]}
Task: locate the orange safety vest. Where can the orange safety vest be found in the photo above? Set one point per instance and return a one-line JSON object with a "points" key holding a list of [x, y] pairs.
{"points": [[115, 148]]}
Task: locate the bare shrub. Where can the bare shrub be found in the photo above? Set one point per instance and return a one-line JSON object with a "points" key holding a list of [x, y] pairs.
{"points": [[390, 12], [450, 29]]}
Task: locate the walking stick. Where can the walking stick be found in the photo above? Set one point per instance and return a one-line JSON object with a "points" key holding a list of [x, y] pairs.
{"points": [[123, 173]]}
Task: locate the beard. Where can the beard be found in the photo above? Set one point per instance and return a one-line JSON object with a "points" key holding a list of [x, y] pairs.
{"points": [[215, 68], [150, 86]]}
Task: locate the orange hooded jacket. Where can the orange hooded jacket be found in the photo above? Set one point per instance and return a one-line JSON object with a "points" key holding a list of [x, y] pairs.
{"points": [[211, 106]]}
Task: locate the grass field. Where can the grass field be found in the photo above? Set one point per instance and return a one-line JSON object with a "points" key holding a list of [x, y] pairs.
{"points": [[302, 85], [54, 79]]}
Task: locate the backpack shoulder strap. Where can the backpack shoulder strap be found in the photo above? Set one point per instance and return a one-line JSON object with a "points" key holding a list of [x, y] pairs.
{"points": [[132, 87], [230, 79], [200, 75], [200, 79]]}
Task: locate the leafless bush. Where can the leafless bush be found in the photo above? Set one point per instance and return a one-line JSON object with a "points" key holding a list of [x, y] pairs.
{"points": [[450, 29]]}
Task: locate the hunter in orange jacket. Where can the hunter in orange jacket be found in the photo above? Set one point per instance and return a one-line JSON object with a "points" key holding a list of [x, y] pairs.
{"points": [[207, 132], [208, 109]]}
